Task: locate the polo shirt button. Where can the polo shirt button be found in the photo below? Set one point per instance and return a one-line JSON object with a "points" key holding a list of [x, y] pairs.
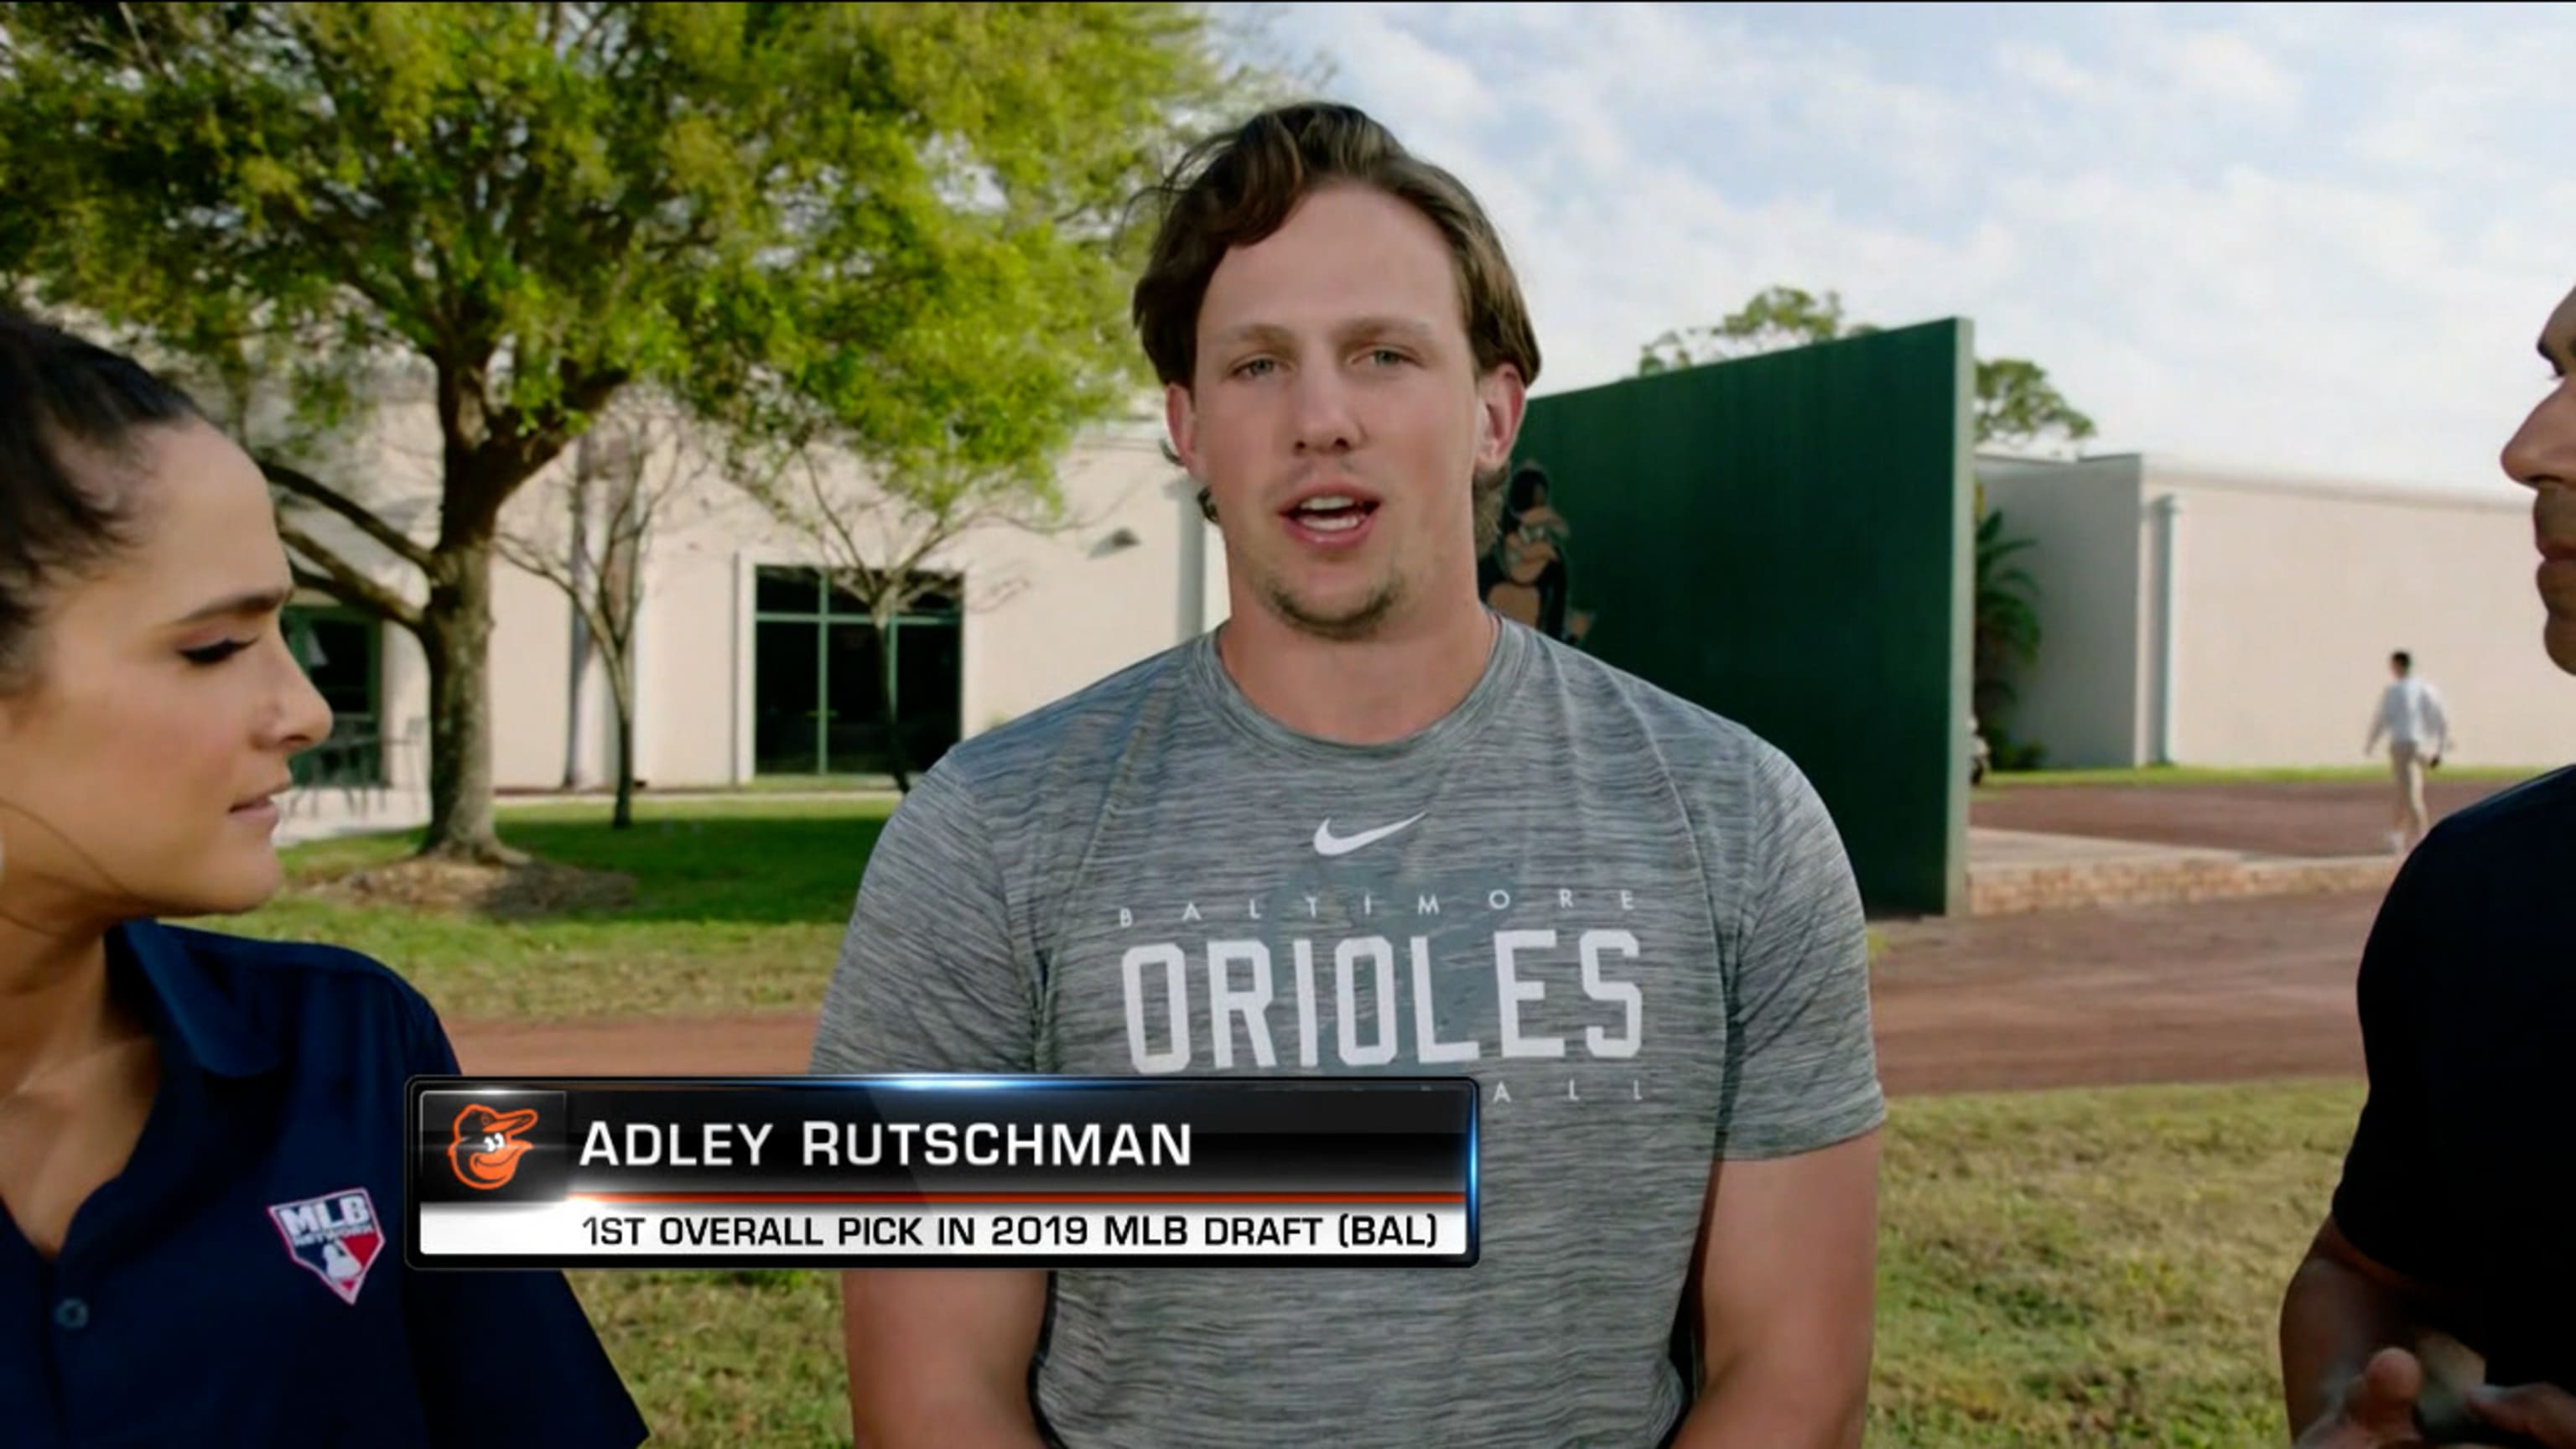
{"points": [[71, 1313]]}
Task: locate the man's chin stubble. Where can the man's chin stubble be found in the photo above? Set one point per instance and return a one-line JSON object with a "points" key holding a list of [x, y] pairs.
{"points": [[1342, 626]]}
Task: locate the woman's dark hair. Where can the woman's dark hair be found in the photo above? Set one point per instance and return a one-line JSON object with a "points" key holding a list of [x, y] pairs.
{"points": [[1528, 482], [59, 394]]}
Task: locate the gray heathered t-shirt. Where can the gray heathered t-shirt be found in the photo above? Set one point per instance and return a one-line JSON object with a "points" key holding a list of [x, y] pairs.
{"points": [[1628, 919]]}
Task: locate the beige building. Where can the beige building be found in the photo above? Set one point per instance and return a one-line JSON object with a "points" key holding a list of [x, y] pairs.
{"points": [[746, 666], [2189, 614], [2201, 616]]}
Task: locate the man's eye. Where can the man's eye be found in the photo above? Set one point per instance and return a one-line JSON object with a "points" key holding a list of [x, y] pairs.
{"points": [[215, 653], [1248, 369]]}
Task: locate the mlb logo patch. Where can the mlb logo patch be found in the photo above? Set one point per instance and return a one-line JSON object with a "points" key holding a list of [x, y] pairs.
{"points": [[336, 1235]]}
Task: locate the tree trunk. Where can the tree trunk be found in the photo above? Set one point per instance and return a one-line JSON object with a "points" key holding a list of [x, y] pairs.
{"points": [[621, 690], [578, 570], [456, 634], [898, 759], [623, 817]]}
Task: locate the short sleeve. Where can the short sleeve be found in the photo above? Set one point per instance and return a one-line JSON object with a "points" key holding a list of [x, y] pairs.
{"points": [[525, 1327], [928, 980], [1801, 1066], [2387, 1204]]}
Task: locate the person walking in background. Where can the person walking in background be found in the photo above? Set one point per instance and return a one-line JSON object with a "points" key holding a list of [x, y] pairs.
{"points": [[2418, 732]]}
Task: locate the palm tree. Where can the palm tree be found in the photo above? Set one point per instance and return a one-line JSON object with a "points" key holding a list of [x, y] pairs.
{"points": [[2006, 624]]}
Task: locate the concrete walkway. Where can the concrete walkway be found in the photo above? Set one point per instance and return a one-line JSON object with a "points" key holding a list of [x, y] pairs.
{"points": [[2012, 871], [326, 813]]}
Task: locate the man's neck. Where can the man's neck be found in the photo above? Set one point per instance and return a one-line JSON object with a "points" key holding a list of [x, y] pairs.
{"points": [[1370, 691]]}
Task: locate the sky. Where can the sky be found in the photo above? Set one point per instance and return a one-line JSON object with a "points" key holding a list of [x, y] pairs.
{"points": [[2296, 239]]}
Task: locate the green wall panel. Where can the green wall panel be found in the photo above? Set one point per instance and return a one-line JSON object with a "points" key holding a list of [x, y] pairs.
{"points": [[1785, 539]]}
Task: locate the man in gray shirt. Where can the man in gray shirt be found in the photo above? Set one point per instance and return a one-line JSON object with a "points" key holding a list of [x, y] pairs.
{"points": [[1368, 826]]}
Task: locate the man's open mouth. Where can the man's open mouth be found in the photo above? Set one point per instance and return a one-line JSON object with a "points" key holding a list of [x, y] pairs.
{"points": [[1332, 512]]}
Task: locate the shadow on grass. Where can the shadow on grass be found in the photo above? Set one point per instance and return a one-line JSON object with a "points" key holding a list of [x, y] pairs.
{"points": [[739, 866]]}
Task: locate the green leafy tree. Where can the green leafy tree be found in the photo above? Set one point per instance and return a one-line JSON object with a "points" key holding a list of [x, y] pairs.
{"points": [[1777, 317], [988, 408], [798, 221], [2017, 406]]}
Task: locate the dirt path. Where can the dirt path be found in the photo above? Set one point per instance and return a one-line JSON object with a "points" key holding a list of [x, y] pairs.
{"points": [[2291, 818], [2209, 992], [2215, 991]]}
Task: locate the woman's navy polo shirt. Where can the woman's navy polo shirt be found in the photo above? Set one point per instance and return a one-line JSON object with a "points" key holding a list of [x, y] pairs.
{"points": [[242, 1280]]}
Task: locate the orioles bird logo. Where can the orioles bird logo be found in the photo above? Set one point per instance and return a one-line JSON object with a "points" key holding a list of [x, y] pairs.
{"points": [[485, 1151]]}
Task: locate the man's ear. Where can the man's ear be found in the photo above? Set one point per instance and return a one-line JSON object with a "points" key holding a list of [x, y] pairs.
{"points": [[1502, 400], [1181, 420]]}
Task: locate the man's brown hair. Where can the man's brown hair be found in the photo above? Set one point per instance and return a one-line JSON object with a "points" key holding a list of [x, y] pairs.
{"points": [[1237, 188]]}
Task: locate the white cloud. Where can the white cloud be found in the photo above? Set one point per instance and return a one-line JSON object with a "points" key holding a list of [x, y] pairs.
{"points": [[1376, 56], [2044, 66], [2227, 66], [2313, 244]]}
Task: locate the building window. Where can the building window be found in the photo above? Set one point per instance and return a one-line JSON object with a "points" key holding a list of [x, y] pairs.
{"points": [[341, 651], [819, 682]]}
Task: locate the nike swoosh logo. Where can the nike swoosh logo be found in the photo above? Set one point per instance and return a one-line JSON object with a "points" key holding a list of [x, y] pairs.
{"points": [[1327, 843]]}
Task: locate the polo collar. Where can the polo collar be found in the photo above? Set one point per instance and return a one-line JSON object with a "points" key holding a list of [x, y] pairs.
{"points": [[193, 1014]]}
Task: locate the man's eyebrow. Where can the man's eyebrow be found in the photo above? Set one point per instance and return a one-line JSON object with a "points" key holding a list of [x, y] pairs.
{"points": [[1357, 327], [1251, 332], [256, 601], [1388, 327]]}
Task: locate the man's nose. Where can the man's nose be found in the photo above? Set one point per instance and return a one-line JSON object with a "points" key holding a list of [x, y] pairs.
{"points": [[2542, 453], [1326, 420]]}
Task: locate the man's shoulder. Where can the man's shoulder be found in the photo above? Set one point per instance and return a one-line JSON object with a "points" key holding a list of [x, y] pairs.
{"points": [[2538, 810], [2508, 847]]}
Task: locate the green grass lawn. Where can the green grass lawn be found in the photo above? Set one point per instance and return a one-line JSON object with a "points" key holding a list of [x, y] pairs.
{"points": [[2372, 774], [2096, 1268], [739, 906], [2062, 1269]]}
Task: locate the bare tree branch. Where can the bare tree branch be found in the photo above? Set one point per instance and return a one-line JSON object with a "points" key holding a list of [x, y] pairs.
{"points": [[303, 485], [341, 581], [636, 494], [528, 557], [835, 525], [998, 593], [595, 615]]}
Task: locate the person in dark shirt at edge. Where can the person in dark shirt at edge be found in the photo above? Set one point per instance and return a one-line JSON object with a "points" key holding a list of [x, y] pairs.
{"points": [[2447, 1240], [201, 1136]]}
